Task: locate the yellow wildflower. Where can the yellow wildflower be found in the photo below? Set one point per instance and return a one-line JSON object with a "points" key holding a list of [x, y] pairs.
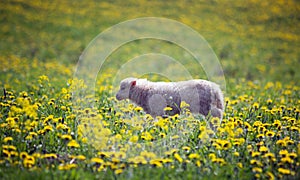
{"points": [[73, 144], [178, 158]]}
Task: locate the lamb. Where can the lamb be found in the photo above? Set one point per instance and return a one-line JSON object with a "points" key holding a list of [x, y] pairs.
{"points": [[203, 96]]}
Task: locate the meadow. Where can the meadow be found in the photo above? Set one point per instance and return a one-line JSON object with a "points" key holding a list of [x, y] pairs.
{"points": [[45, 134]]}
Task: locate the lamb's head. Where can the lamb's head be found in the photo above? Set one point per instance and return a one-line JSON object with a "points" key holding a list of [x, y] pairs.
{"points": [[125, 86]]}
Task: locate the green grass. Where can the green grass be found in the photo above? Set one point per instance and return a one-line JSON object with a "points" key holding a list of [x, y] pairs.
{"points": [[255, 34], [44, 135]]}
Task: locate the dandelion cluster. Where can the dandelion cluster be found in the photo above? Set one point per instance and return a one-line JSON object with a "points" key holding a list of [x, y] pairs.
{"points": [[258, 137], [51, 125]]}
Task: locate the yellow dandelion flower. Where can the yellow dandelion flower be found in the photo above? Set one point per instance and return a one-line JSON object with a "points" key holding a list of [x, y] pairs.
{"points": [[284, 171], [194, 156], [61, 126], [138, 109], [175, 137], [255, 105], [257, 176], [9, 147], [134, 139], [50, 156], [168, 109], [295, 129], [115, 160], [103, 154], [289, 142], [292, 155], [270, 175], [292, 120], [277, 124], [269, 101], [204, 136], [66, 137], [281, 142], [84, 140], [236, 154], [270, 156], [43, 78], [23, 155], [174, 117], [287, 160], [97, 160], [67, 166], [183, 104], [198, 163], [14, 154], [118, 171], [6, 153], [80, 157], [186, 148], [48, 128], [212, 156], [63, 108], [178, 158], [118, 137], [283, 153], [162, 135], [225, 144], [260, 136], [215, 121], [257, 169], [146, 136], [240, 165], [7, 139], [287, 92], [220, 161], [216, 145], [256, 162], [238, 141], [37, 155], [263, 149], [51, 103], [270, 134], [29, 161], [73, 144], [156, 163], [257, 123], [255, 154]]}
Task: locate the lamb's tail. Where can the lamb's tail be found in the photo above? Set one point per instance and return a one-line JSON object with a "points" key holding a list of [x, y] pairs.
{"points": [[218, 99], [217, 107]]}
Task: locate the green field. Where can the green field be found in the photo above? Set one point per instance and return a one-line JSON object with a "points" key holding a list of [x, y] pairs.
{"points": [[45, 134]]}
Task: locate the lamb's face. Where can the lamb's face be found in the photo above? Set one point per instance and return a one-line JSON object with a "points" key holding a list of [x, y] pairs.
{"points": [[125, 85]]}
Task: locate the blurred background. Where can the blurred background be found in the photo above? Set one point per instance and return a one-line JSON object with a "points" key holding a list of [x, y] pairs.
{"points": [[254, 40]]}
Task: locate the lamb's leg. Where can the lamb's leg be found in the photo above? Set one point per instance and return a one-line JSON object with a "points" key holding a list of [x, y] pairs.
{"points": [[156, 104], [216, 112]]}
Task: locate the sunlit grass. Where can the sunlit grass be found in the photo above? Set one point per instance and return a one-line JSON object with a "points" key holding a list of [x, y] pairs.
{"points": [[44, 133], [258, 137]]}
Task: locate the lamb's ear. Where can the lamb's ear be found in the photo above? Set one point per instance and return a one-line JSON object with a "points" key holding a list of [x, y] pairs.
{"points": [[133, 83]]}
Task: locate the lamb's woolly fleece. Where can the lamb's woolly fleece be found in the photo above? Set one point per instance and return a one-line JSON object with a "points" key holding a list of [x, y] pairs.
{"points": [[202, 96]]}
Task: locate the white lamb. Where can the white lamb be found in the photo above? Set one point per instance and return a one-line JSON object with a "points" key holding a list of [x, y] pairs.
{"points": [[202, 96]]}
